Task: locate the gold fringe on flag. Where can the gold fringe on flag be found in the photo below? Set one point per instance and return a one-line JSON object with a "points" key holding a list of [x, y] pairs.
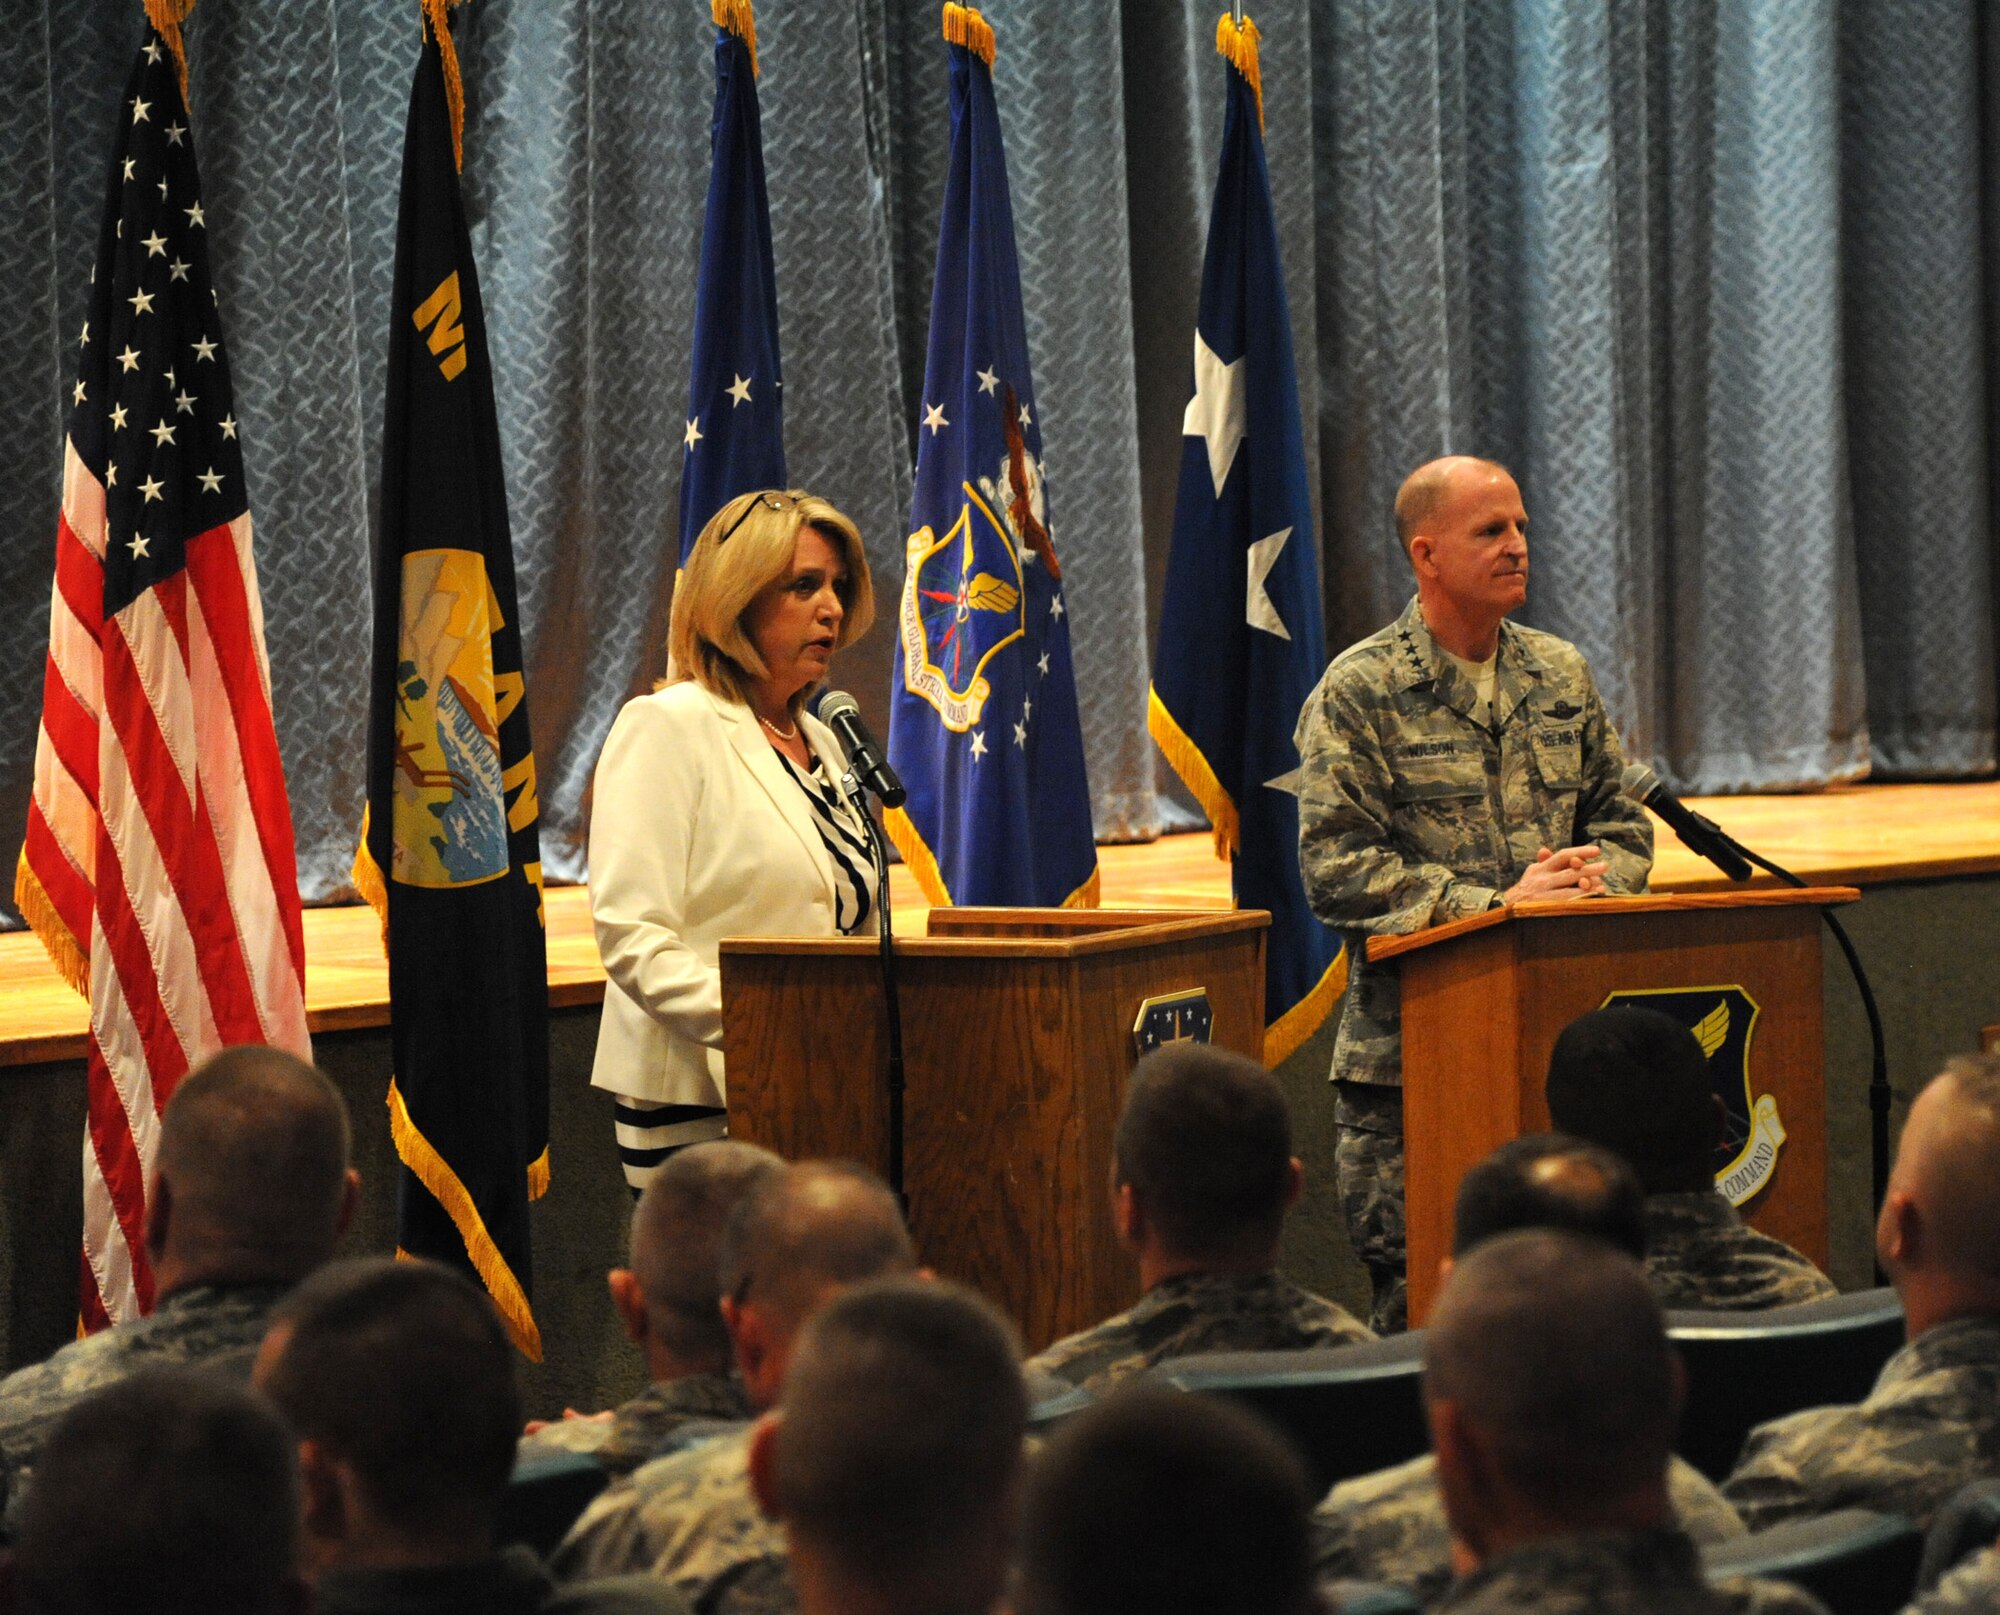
{"points": [[454, 86], [367, 876], [964, 26], [737, 17], [916, 856], [416, 1153], [1239, 44], [1285, 1036], [64, 951], [166, 16], [1186, 760]]}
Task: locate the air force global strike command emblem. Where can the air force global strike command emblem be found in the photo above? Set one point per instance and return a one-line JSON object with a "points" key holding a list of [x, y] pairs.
{"points": [[1723, 1020]]}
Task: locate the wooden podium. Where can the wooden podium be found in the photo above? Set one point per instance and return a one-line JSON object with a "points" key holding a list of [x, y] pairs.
{"points": [[1484, 998], [1017, 1038]]}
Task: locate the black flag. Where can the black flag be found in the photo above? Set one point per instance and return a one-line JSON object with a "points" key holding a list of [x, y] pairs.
{"points": [[450, 855]]}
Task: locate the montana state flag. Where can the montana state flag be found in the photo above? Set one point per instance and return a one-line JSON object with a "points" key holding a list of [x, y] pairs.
{"points": [[734, 436], [983, 720], [1241, 643], [450, 853]]}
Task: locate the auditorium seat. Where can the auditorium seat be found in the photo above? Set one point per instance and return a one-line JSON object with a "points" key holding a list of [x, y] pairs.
{"points": [[546, 1495], [1348, 1410], [1854, 1561], [1965, 1525], [1746, 1367]]}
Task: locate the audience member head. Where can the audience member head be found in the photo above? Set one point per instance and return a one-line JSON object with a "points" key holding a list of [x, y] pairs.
{"points": [[1204, 1166], [1938, 1235], [1636, 1081], [1552, 1393], [1154, 1500], [168, 1493], [1549, 1180], [895, 1451], [251, 1183], [670, 1296], [398, 1380], [798, 1239]]}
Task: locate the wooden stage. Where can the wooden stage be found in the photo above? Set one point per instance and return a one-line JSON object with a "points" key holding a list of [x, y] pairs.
{"points": [[1855, 835]]}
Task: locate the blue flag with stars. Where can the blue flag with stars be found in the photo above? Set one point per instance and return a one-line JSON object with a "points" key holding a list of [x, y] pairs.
{"points": [[983, 719], [1241, 643], [735, 432]]}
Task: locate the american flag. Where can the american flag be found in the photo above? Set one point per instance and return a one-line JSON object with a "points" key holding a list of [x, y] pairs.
{"points": [[158, 868]]}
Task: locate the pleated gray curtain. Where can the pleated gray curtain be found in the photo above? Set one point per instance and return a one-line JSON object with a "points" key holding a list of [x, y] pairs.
{"points": [[1716, 278]]}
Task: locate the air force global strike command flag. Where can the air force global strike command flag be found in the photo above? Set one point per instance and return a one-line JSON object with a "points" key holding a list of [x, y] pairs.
{"points": [[1240, 638], [983, 720], [450, 854], [735, 431]]}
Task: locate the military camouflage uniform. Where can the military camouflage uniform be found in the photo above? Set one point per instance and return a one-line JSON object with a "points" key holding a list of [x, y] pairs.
{"points": [[510, 1582], [201, 1324], [1621, 1573], [647, 1426], [1970, 1588], [691, 1520], [1415, 810], [1200, 1312], [1701, 1253], [1389, 1527], [1931, 1424]]}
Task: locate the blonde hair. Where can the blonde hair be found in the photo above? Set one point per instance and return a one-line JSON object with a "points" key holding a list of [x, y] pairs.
{"points": [[746, 547]]}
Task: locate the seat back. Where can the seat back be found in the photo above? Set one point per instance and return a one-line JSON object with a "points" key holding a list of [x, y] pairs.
{"points": [[1854, 1561], [1965, 1525], [545, 1496], [1746, 1367], [1347, 1410]]}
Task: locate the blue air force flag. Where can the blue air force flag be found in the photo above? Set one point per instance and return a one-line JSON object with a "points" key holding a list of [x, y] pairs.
{"points": [[983, 720], [734, 436], [1240, 637]]}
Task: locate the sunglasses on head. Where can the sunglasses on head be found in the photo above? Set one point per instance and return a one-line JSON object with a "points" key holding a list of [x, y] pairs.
{"points": [[770, 501]]}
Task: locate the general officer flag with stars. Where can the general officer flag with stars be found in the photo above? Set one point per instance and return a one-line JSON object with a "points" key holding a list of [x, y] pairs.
{"points": [[983, 719], [450, 854], [735, 429], [1240, 638]]}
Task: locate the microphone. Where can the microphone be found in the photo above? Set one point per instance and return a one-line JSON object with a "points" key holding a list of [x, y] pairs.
{"points": [[841, 713], [1702, 836]]}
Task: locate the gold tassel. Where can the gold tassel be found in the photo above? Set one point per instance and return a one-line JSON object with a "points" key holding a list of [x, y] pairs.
{"points": [[166, 16], [964, 26], [367, 875], [918, 857], [1285, 1036], [64, 951], [1240, 46], [454, 85], [538, 1176], [415, 1152], [737, 17], [1187, 761]]}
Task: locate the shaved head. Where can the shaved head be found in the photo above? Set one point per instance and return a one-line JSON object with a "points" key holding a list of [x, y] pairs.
{"points": [[807, 1228], [1551, 1347], [253, 1155], [677, 1230], [1426, 490], [1948, 1167]]}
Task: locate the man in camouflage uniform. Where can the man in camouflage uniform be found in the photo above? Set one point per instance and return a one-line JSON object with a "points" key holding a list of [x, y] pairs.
{"points": [[1440, 762], [669, 1301], [397, 1381], [1390, 1527], [895, 1454], [1204, 1177], [1551, 1392], [1637, 1082], [1970, 1588], [796, 1242], [251, 1191], [1932, 1422]]}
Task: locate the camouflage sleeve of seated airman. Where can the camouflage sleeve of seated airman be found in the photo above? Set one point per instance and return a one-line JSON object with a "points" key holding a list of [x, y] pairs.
{"points": [[1605, 816], [1355, 876], [1972, 1588]]}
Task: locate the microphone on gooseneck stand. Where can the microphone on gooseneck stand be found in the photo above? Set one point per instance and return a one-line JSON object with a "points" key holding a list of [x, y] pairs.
{"points": [[1703, 837], [841, 713]]}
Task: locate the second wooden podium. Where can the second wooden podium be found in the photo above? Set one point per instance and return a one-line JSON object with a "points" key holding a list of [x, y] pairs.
{"points": [[1483, 1000], [1017, 1037]]}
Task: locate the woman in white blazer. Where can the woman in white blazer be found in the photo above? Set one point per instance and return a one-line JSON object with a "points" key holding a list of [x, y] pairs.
{"points": [[715, 808]]}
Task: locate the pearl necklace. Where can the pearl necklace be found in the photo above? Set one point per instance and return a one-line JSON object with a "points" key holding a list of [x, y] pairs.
{"points": [[782, 734]]}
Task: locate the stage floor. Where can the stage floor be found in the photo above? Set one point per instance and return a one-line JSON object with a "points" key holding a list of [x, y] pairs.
{"points": [[1856, 835]]}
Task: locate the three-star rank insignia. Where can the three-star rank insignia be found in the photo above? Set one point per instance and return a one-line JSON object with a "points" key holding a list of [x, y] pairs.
{"points": [[1184, 1017], [1723, 1020]]}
